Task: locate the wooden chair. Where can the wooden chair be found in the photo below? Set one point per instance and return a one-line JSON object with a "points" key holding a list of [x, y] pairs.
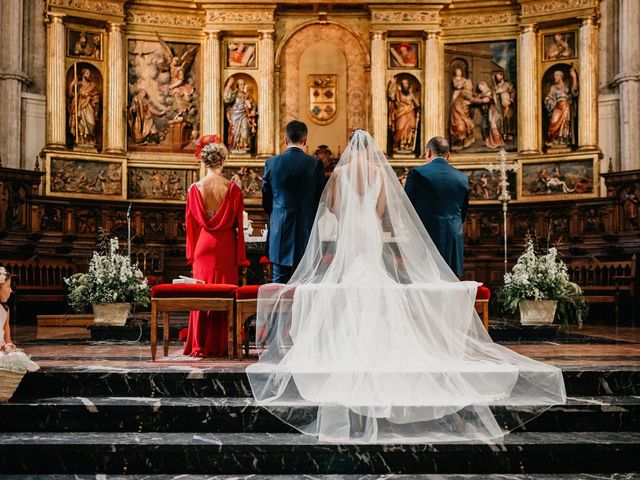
{"points": [[169, 298], [482, 304], [606, 282]]}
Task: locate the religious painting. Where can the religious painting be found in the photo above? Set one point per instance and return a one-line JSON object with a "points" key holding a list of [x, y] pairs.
{"points": [[404, 55], [484, 185], [546, 179], [163, 109], [73, 177], [159, 183], [240, 97], [85, 95], [241, 54], [322, 99], [481, 96], [249, 180], [560, 91], [560, 46], [84, 44], [403, 117]]}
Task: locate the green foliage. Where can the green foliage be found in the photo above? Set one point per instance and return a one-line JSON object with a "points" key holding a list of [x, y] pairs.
{"points": [[111, 279], [543, 276]]}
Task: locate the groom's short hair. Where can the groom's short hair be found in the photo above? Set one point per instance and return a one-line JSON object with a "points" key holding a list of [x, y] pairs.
{"points": [[296, 131], [439, 146]]}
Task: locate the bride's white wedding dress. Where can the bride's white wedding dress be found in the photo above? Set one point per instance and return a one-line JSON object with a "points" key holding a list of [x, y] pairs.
{"points": [[374, 339]]}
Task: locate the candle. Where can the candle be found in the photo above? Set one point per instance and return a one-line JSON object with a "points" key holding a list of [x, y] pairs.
{"points": [[245, 220]]}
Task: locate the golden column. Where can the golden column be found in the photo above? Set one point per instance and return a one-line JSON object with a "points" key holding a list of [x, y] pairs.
{"points": [[588, 85], [211, 91], [433, 86], [528, 134], [116, 126], [56, 105], [378, 90], [266, 94]]}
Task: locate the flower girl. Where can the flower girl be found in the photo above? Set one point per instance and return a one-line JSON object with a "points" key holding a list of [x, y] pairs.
{"points": [[11, 358]]}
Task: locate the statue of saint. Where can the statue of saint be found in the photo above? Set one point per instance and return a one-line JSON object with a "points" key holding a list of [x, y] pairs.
{"points": [[404, 115], [505, 96], [142, 129], [242, 113], [84, 108], [460, 116], [491, 121], [561, 109]]}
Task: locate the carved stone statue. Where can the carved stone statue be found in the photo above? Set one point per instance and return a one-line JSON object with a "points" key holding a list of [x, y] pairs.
{"points": [[140, 119], [242, 113], [84, 108], [404, 114], [561, 104], [460, 116], [491, 120], [177, 66], [505, 96]]}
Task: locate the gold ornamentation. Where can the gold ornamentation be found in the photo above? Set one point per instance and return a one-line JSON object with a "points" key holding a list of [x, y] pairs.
{"points": [[552, 6], [98, 6], [397, 16], [148, 18], [323, 105], [240, 16], [504, 18]]}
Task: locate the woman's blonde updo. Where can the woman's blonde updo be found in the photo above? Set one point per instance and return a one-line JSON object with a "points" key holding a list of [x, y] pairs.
{"points": [[213, 154]]}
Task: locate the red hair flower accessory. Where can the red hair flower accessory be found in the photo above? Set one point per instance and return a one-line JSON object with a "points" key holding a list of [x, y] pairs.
{"points": [[204, 140]]}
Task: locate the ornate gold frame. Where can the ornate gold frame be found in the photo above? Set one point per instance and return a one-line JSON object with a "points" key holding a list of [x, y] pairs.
{"points": [[93, 157], [477, 166], [560, 159]]}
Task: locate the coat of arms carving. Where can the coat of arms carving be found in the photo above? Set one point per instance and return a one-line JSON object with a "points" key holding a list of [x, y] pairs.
{"points": [[323, 104]]}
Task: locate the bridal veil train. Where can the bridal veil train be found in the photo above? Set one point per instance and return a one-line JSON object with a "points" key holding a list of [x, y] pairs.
{"points": [[374, 339]]}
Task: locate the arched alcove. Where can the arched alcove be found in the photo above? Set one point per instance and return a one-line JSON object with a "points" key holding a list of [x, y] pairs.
{"points": [[293, 85]]}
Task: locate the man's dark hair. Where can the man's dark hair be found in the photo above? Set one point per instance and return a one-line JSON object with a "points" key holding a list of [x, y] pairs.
{"points": [[439, 146], [296, 131]]}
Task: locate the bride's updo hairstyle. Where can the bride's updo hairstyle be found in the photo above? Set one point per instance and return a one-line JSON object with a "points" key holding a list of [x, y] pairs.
{"points": [[211, 151]]}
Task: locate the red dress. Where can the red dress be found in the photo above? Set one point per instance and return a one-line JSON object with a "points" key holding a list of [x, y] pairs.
{"points": [[214, 250]]}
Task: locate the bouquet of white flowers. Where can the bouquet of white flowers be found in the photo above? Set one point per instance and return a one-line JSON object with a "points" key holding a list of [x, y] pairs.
{"points": [[111, 279], [542, 277]]}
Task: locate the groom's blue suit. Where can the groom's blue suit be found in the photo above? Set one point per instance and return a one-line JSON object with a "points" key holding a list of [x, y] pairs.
{"points": [[440, 195], [291, 189]]}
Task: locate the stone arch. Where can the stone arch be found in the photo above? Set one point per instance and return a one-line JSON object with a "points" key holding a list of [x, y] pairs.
{"points": [[357, 57]]}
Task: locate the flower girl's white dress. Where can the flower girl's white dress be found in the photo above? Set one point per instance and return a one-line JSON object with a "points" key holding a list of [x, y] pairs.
{"points": [[17, 361]]}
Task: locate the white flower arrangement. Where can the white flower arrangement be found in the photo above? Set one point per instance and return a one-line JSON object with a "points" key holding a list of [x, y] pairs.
{"points": [[3, 275], [542, 277], [111, 279]]}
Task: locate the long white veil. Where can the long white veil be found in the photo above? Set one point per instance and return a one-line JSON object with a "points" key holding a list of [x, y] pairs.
{"points": [[374, 339]]}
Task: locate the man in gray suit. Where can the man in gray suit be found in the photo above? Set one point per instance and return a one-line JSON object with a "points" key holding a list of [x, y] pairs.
{"points": [[440, 195]]}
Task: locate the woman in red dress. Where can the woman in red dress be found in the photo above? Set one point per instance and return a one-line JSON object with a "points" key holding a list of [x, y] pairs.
{"points": [[215, 244]]}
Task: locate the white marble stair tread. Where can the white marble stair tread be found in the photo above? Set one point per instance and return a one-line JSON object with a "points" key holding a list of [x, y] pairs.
{"points": [[282, 440]]}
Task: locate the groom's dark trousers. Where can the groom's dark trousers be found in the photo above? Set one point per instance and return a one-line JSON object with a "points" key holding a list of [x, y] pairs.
{"points": [[291, 187], [440, 194]]}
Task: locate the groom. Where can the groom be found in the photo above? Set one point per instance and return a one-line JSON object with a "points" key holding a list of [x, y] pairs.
{"points": [[291, 189], [440, 195]]}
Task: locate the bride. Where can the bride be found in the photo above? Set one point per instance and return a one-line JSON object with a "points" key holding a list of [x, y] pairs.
{"points": [[374, 339]]}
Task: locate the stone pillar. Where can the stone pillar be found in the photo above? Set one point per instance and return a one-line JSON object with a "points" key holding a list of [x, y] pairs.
{"points": [[528, 137], [56, 105], [211, 90], [434, 124], [378, 88], [11, 79], [115, 109], [628, 81], [266, 94], [588, 84]]}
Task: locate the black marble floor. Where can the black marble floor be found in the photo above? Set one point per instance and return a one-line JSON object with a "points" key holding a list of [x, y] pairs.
{"points": [[101, 410]]}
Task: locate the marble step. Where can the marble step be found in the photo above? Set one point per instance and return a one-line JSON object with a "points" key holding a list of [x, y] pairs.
{"points": [[489, 476], [294, 454], [231, 381], [217, 414]]}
